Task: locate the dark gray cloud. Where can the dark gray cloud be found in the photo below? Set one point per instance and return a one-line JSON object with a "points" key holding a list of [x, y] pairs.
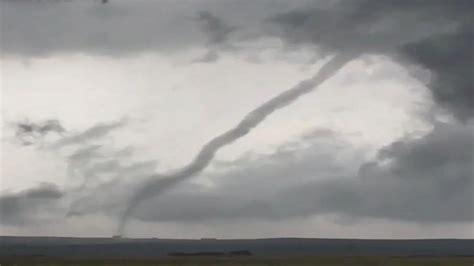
{"points": [[30, 206], [95, 132], [29, 132], [215, 28], [450, 58], [218, 36], [437, 35], [41, 28], [121, 27], [428, 179], [367, 25]]}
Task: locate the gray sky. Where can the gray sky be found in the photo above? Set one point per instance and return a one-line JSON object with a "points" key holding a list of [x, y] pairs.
{"points": [[97, 98]]}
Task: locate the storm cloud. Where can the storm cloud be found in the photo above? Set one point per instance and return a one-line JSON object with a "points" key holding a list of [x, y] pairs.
{"points": [[217, 30], [124, 28], [44, 28], [30, 206], [426, 180], [441, 41], [450, 59], [425, 177]]}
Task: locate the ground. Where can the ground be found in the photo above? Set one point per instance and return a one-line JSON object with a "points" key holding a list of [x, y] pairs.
{"points": [[243, 260]]}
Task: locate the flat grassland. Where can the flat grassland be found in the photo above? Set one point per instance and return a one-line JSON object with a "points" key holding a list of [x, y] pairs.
{"points": [[243, 261]]}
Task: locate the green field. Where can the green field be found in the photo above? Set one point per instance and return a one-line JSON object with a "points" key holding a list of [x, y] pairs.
{"points": [[244, 261]]}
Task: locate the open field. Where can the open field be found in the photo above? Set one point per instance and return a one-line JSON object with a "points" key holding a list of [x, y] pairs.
{"points": [[244, 261], [53, 251], [150, 248]]}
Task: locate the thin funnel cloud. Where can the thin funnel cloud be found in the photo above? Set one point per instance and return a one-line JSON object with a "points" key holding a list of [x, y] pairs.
{"points": [[158, 184]]}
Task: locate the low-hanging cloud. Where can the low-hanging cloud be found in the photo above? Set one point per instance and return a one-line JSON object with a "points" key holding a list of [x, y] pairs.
{"points": [[427, 180], [30, 206]]}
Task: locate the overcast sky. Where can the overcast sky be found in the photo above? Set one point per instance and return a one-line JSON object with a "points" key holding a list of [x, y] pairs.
{"points": [[100, 100]]}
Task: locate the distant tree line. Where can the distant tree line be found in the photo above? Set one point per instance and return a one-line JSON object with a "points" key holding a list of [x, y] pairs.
{"points": [[212, 253]]}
